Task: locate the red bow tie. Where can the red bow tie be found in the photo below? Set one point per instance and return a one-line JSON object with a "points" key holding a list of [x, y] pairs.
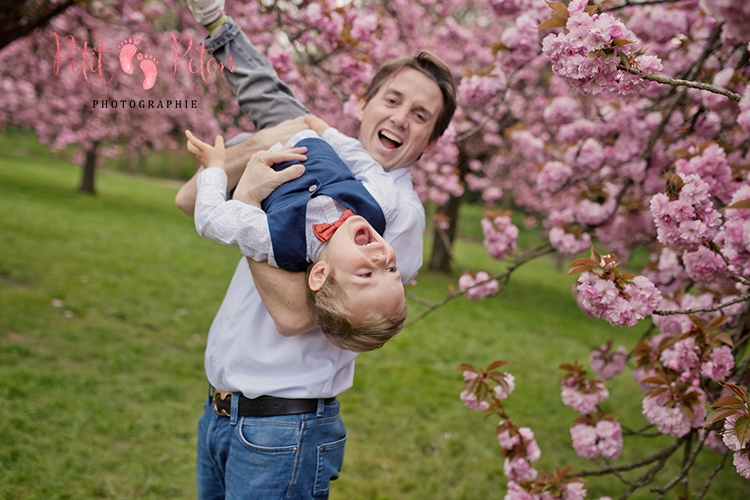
{"points": [[325, 230]]}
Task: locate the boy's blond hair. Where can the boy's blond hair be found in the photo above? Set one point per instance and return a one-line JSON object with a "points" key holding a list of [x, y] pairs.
{"points": [[357, 331]]}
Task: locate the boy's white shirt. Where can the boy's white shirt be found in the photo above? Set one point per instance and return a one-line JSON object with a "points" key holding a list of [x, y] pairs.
{"points": [[236, 223]]}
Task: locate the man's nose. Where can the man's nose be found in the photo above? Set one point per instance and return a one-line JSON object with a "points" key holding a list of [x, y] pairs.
{"points": [[399, 116]]}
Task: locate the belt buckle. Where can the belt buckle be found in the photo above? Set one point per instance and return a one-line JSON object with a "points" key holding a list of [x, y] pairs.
{"points": [[215, 397]]}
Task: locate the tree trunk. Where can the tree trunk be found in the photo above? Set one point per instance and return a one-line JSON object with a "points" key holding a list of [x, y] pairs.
{"points": [[89, 168], [442, 243]]}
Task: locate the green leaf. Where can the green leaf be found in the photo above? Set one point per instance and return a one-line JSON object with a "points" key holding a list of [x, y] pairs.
{"points": [[687, 411], [652, 380], [619, 42], [560, 9], [559, 16], [584, 262], [742, 428], [717, 322], [726, 401], [496, 364], [724, 338], [739, 391], [719, 414], [739, 204], [552, 22], [579, 269]]}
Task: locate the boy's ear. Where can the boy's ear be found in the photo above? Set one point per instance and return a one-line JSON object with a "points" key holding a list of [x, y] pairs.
{"points": [[318, 275]]}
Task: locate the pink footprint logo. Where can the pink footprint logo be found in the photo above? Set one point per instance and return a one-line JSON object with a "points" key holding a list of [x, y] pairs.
{"points": [[148, 66], [127, 51]]}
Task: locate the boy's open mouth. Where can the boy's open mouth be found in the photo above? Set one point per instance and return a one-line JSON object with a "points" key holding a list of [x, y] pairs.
{"points": [[364, 237], [388, 140]]}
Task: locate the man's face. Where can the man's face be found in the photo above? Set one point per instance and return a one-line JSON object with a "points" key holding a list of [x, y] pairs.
{"points": [[399, 119]]}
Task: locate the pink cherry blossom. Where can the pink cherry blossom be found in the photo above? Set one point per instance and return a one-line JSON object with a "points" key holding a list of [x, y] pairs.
{"points": [[730, 438], [669, 419], [587, 56], [744, 117], [471, 402], [519, 469], [500, 236], [607, 364], [741, 461], [479, 286], [719, 365], [585, 403]]}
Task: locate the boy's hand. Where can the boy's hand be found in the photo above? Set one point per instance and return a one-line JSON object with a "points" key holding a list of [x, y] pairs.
{"points": [[316, 124], [259, 180], [209, 156]]}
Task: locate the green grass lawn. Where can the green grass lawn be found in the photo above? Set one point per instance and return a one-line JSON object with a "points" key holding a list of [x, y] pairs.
{"points": [[104, 307]]}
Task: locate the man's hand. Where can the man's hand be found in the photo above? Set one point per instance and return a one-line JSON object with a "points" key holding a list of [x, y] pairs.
{"points": [[316, 124], [259, 180], [209, 156]]}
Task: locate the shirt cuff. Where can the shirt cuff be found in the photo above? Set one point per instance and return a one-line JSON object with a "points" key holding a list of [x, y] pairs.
{"points": [[212, 177]]}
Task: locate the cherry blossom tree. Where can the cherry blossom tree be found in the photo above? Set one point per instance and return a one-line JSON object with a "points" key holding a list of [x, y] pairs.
{"points": [[612, 126], [115, 79], [616, 125], [18, 20]]}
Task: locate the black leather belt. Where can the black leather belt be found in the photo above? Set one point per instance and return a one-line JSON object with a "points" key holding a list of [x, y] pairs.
{"points": [[263, 406]]}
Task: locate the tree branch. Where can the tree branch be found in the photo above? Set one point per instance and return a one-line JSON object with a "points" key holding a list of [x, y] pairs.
{"points": [[713, 474], [629, 3], [681, 83], [532, 254], [660, 456], [741, 298]]}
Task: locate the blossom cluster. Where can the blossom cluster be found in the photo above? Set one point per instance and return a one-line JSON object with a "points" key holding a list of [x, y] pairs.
{"points": [[587, 54], [478, 286], [741, 449], [686, 219], [670, 412], [581, 393], [520, 449], [620, 306], [602, 440], [500, 236], [734, 235], [607, 363]]}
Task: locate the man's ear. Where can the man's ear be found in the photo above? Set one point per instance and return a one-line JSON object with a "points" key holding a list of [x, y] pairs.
{"points": [[361, 109], [318, 275], [429, 146]]}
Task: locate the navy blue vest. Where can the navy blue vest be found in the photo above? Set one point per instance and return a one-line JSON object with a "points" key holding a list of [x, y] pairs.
{"points": [[325, 174]]}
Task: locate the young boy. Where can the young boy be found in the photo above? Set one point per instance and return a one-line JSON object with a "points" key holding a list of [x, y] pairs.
{"points": [[319, 222]]}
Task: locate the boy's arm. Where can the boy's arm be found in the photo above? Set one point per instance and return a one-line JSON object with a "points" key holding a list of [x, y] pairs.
{"points": [[237, 157], [283, 294], [230, 222]]}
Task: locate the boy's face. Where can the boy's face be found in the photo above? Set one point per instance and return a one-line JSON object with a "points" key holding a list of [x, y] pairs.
{"points": [[364, 264], [398, 121]]}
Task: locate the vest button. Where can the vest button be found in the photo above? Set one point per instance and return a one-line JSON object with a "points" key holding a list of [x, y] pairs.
{"points": [[313, 188]]}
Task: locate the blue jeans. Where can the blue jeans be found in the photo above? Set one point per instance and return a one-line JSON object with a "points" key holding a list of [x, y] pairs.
{"points": [[268, 458], [262, 97]]}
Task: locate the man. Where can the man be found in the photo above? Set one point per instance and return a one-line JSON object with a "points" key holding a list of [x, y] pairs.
{"points": [[271, 428]]}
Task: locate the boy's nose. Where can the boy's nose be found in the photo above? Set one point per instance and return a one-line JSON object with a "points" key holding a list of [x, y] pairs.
{"points": [[377, 258]]}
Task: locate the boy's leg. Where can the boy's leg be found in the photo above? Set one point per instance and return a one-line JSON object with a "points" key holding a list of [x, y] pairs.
{"points": [[262, 96]]}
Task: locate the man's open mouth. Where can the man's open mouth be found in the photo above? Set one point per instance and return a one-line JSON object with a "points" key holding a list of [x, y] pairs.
{"points": [[389, 140]]}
